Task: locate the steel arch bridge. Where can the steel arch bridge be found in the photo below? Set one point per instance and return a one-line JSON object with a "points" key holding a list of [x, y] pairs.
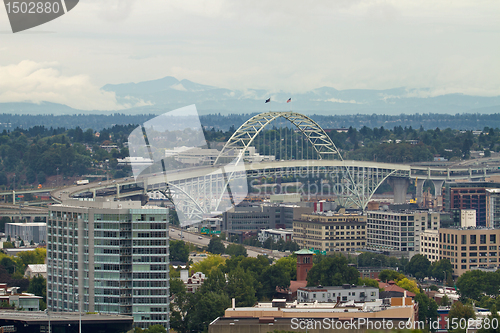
{"points": [[246, 134]]}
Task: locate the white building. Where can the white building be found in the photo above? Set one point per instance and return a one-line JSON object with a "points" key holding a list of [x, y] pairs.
{"points": [[429, 244], [467, 218], [276, 234], [36, 231], [26, 301], [345, 293], [36, 270]]}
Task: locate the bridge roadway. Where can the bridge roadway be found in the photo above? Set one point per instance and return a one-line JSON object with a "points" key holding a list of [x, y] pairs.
{"points": [[359, 180]]}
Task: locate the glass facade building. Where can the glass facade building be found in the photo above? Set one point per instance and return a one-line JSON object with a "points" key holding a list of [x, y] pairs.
{"points": [[111, 256]]}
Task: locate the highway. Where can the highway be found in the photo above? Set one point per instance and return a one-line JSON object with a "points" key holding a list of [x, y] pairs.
{"points": [[188, 237]]}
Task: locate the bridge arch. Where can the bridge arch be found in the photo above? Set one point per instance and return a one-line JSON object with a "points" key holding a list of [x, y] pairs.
{"points": [[246, 133]]}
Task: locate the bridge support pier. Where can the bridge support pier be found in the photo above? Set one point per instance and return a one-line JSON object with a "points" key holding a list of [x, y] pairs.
{"points": [[400, 186], [438, 186], [13, 197], [420, 191]]}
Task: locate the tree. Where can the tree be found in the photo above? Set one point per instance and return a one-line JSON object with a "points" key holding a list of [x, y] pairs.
{"points": [[207, 264], [388, 275], [441, 269], [445, 301], [176, 286], [215, 281], [332, 271], [419, 266], [155, 329], [235, 250], [179, 251], [182, 311], [3, 220], [288, 264], [409, 285], [240, 286], [216, 246], [367, 282], [459, 311], [473, 284], [41, 177], [208, 306], [272, 278]]}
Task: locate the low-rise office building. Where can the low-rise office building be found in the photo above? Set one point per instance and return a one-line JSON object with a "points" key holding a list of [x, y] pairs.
{"points": [[264, 216], [317, 317], [346, 293], [398, 232], [470, 248], [345, 232], [275, 234]]}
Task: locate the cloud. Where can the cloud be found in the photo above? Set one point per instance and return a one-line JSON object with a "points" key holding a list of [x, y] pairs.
{"points": [[336, 100], [36, 82]]}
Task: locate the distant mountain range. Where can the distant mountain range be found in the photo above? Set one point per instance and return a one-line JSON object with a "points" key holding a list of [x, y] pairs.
{"points": [[169, 93]]}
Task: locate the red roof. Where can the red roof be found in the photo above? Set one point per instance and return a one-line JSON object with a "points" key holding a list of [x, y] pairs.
{"points": [[391, 286]]}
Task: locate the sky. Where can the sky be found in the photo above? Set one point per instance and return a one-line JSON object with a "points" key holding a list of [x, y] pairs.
{"points": [[293, 46]]}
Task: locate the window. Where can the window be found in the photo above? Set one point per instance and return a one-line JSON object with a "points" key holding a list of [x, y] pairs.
{"points": [[482, 239], [473, 248], [493, 239], [473, 239], [464, 239], [464, 266]]}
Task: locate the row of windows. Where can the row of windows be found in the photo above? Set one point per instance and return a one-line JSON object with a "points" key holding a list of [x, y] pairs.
{"points": [[453, 239]]}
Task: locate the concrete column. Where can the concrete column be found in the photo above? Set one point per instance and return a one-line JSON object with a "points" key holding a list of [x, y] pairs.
{"points": [[400, 186], [420, 190], [117, 190], [13, 197], [438, 185]]}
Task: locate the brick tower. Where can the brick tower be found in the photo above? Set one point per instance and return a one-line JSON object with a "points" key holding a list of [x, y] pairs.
{"points": [[304, 263]]}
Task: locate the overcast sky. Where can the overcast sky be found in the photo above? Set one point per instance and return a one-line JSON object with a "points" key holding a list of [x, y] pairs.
{"points": [[287, 45]]}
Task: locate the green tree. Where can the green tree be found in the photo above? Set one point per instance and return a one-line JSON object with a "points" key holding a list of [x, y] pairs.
{"points": [[155, 329], [388, 275], [274, 277], [445, 301], [235, 250], [441, 269], [419, 266], [41, 177], [216, 246], [367, 282], [215, 281], [182, 311], [3, 220], [459, 311], [240, 286], [208, 307], [332, 271], [179, 251], [288, 264]]}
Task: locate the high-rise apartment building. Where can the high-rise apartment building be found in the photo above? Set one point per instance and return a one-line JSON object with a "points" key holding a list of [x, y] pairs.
{"points": [[109, 257], [493, 208]]}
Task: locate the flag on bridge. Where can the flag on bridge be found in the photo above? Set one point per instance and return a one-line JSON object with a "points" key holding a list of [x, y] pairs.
{"points": [[268, 100]]}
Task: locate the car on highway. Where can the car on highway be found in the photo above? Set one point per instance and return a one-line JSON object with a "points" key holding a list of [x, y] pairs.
{"points": [[199, 237]]}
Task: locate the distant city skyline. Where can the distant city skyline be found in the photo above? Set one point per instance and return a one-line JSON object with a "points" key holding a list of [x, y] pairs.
{"points": [[432, 48]]}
